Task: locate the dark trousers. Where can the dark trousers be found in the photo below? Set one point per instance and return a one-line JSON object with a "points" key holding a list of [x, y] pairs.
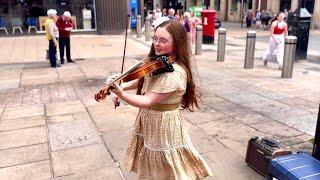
{"points": [[52, 53], [248, 22], [64, 42]]}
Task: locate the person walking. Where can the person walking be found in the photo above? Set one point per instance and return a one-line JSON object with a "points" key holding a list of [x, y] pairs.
{"points": [[249, 18], [160, 147], [52, 35], [65, 26], [278, 31]]}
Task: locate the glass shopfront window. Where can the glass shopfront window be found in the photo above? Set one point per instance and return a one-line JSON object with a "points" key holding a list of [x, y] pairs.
{"points": [[27, 13]]}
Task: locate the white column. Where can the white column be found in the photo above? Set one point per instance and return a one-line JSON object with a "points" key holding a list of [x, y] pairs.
{"points": [[259, 4]]}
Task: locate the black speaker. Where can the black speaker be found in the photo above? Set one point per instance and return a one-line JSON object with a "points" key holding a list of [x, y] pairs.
{"points": [[316, 144]]}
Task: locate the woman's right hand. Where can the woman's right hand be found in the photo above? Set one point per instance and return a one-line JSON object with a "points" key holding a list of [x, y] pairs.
{"points": [[115, 99]]}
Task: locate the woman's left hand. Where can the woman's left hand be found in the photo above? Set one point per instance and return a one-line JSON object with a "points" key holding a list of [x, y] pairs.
{"points": [[117, 89]]}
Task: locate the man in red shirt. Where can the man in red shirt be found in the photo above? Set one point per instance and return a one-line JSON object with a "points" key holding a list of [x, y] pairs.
{"points": [[65, 26]]}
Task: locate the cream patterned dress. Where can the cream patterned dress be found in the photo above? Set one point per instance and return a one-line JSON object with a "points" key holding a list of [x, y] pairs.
{"points": [[160, 147]]}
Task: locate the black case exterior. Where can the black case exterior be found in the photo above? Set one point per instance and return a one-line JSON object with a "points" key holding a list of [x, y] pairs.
{"points": [[316, 145], [259, 155]]}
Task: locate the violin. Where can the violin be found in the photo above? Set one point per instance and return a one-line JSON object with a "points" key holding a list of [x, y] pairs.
{"points": [[143, 68]]}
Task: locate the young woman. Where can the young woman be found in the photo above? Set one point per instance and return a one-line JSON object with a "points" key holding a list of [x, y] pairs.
{"points": [[195, 21], [160, 147], [278, 31]]}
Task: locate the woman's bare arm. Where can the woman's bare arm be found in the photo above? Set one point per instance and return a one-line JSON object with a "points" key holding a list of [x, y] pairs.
{"points": [[130, 85]]}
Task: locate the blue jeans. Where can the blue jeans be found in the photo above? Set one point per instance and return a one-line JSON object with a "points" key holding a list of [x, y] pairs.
{"points": [[52, 53]]}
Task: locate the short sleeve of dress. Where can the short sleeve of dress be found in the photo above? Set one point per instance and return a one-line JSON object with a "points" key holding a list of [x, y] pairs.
{"points": [[169, 82]]}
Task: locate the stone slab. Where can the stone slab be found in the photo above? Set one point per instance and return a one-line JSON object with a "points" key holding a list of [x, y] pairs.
{"points": [[201, 141], [117, 148], [226, 165], [20, 123], [198, 117], [277, 111], [37, 171], [309, 122], [81, 159], [23, 155], [9, 84], [69, 117], [69, 107], [252, 118], [300, 103], [72, 134], [231, 133], [23, 137], [23, 111], [101, 174], [107, 118], [36, 82]]}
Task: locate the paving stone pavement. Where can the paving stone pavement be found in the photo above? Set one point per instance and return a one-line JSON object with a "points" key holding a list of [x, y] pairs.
{"points": [[51, 126]]}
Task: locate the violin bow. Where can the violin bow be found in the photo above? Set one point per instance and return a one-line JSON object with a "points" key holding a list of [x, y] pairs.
{"points": [[124, 52]]}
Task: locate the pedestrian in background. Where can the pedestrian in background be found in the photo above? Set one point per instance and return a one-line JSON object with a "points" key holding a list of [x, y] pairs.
{"points": [[179, 16], [258, 19], [187, 25], [249, 18], [65, 26], [164, 12], [171, 14], [158, 13], [160, 147], [52, 34], [278, 31], [195, 21]]}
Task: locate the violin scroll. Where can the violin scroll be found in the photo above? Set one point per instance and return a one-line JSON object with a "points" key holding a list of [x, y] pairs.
{"points": [[101, 95]]}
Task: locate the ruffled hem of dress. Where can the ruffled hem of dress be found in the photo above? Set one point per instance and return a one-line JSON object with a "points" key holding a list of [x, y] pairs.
{"points": [[174, 163]]}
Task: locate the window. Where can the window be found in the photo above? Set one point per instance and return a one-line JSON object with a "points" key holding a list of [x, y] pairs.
{"points": [[82, 12], [234, 5]]}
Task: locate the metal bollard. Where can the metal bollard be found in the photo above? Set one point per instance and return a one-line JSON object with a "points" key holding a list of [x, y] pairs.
{"points": [[250, 47], [147, 30], [198, 40], [221, 44], [138, 26], [289, 56]]}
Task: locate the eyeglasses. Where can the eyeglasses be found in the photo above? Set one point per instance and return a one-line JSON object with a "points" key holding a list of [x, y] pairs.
{"points": [[161, 41]]}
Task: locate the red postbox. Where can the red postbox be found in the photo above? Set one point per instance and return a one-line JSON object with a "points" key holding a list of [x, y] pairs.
{"points": [[208, 18]]}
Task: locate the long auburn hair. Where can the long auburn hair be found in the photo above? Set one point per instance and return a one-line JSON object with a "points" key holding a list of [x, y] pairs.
{"points": [[182, 53]]}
